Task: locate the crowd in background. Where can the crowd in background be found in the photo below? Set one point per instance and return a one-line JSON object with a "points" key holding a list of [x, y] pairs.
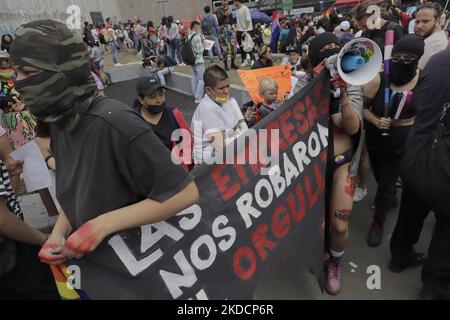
{"points": [[359, 119]]}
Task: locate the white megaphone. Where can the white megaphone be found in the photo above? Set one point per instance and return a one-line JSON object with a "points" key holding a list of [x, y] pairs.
{"points": [[358, 62]]}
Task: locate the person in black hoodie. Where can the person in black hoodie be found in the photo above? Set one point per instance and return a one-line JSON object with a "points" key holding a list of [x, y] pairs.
{"points": [[432, 97], [6, 42], [375, 28]]}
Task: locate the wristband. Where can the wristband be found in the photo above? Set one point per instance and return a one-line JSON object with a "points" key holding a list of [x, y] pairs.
{"points": [[46, 161]]}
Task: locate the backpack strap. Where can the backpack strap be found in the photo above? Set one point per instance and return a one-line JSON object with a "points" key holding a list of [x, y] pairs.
{"points": [[180, 119], [190, 40]]}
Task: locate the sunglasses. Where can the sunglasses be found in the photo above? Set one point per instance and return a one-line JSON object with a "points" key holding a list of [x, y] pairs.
{"points": [[404, 60]]}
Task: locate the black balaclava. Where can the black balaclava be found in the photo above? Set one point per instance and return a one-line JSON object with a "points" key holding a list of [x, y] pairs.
{"points": [[318, 43], [402, 73]]}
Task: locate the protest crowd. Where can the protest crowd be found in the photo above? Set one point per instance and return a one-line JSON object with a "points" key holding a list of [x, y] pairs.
{"points": [[52, 92]]}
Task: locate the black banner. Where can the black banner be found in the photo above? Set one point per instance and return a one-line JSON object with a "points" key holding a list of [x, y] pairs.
{"points": [[218, 248]]}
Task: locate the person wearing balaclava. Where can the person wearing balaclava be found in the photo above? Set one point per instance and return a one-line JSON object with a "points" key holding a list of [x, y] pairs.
{"points": [[113, 173], [386, 152], [346, 137]]}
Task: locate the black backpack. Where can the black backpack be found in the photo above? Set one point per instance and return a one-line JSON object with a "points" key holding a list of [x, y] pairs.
{"points": [[187, 53], [427, 173]]}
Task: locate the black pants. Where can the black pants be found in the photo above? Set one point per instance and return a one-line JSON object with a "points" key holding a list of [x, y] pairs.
{"points": [[436, 271], [243, 53], [30, 279], [413, 212], [385, 155]]}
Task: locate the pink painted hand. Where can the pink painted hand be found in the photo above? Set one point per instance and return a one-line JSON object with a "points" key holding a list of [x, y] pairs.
{"points": [[338, 83], [85, 240], [51, 253]]}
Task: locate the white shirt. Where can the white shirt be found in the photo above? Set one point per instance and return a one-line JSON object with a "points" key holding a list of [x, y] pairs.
{"points": [[94, 33], [112, 35], [243, 18], [435, 43], [211, 118], [411, 26], [320, 30]]}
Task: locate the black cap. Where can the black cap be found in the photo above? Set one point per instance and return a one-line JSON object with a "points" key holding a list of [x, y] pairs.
{"points": [[292, 49], [146, 86]]}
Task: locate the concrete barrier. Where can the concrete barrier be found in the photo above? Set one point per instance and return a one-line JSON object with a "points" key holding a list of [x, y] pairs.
{"points": [[176, 81]]}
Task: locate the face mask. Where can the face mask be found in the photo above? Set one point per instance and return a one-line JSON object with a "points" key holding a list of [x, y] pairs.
{"points": [[328, 53], [222, 100], [402, 73], [155, 109], [30, 89], [50, 97]]}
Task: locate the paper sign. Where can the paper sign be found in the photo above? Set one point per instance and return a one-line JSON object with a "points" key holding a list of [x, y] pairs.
{"points": [[209, 44], [35, 171], [252, 78]]}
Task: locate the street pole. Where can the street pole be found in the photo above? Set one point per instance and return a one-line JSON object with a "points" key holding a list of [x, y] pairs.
{"points": [[163, 7]]}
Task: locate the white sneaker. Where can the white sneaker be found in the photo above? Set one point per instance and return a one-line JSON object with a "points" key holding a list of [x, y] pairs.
{"points": [[244, 64], [117, 65], [360, 194], [181, 64]]}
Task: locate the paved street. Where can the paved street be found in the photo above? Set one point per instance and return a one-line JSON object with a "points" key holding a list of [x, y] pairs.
{"points": [[286, 277]]}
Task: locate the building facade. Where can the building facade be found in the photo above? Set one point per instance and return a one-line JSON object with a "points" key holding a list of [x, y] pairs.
{"points": [[13, 13]]}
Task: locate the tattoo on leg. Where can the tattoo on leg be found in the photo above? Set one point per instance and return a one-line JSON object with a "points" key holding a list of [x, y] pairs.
{"points": [[343, 214], [350, 185]]}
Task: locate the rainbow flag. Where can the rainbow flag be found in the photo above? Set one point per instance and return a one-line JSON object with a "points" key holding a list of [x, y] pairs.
{"points": [[61, 275], [276, 30], [328, 13]]}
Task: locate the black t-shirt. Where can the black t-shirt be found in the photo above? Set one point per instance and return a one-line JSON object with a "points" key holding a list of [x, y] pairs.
{"points": [[432, 93], [408, 110], [166, 126], [113, 160], [378, 35]]}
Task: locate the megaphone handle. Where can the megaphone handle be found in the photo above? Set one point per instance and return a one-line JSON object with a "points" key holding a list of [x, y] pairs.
{"points": [[387, 96], [385, 132]]}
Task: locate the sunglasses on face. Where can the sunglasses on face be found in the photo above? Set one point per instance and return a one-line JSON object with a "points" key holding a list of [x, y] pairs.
{"points": [[404, 60]]}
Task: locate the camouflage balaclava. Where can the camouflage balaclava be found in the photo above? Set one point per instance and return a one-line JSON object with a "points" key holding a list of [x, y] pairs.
{"points": [[63, 92]]}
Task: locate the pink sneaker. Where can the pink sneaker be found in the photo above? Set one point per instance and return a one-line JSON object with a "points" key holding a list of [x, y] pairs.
{"points": [[333, 284]]}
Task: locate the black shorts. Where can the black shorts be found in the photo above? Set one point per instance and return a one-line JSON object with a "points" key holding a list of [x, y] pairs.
{"points": [[29, 279]]}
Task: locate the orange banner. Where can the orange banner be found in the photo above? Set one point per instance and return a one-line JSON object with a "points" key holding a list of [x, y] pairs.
{"points": [[252, 78]]}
